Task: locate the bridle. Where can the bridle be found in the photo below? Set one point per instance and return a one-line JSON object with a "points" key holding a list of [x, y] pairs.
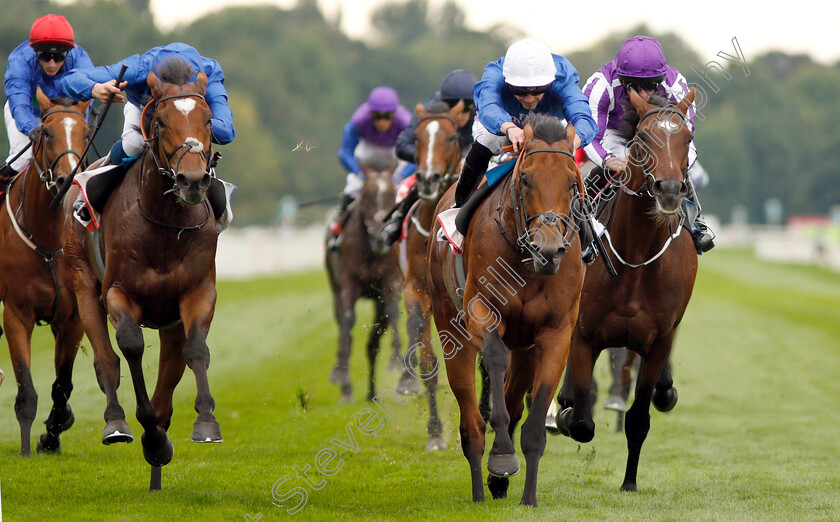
{"points": [[190, 145], [45, 172], [644, 190], [449, 174], [550, 218]]}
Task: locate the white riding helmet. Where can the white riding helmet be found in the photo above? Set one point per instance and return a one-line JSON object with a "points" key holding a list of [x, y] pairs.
{"points": [[529, 63]]}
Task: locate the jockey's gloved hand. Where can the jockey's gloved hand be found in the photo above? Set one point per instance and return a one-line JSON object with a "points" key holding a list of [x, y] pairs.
{"points": [[34, 134]]}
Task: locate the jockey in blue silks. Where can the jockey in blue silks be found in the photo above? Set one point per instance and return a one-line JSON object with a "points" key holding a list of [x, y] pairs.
{"points": [[42, 61], [638, 65], [529, 78], [372, 131]]}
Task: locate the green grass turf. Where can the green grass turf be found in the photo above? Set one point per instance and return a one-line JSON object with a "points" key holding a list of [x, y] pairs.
{"points": [[754, 436]]}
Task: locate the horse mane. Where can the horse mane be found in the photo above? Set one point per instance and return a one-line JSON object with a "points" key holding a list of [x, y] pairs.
{"points": [[175, 70], [547, 128], [630, 118], [64, 101]]}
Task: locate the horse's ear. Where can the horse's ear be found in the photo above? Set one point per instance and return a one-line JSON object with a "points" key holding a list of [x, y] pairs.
{"points": [[686, 102], [529, 132], [638, 103], [457, 109], [84, 105], [201, 82], [43, 101], [570, 134], [154, 84], [420, 110]]}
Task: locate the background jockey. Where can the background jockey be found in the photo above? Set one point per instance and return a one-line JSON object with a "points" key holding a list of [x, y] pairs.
{"points": [[457, 85], [42, 61], [640, 65], [528, 78], [371, 131]]}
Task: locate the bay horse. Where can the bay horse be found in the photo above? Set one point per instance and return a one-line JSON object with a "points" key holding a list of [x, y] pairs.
{"points": [[657, 263], [364, 267], [518, 312], [438, 153], [34, 278], [157, 239]]}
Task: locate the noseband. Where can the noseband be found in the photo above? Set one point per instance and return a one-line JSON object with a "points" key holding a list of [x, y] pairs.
{"points": [[45, 172], [191, 145], [644, 190]]}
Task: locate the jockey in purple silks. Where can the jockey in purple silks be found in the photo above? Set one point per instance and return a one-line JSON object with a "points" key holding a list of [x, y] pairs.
{"points": [[372, 131], [639, 65]]}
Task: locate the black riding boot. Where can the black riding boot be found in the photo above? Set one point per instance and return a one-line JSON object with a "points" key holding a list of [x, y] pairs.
{"points": [[393, 229], [475, 165], [337, 226], [701, 234]]}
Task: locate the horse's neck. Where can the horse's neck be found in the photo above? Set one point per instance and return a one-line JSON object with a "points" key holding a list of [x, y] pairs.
{"points": [[36, 217], [631, 226]]}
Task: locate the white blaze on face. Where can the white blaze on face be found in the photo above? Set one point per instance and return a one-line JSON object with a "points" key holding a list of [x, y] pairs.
{"points": [[431, 129], [185, 105], [69, 123], [194, 145]]}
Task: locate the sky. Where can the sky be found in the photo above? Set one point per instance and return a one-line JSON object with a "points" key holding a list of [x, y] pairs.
{"points": [[708, 26]]}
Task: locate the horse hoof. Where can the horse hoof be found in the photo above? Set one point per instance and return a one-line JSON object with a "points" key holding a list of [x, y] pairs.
{"points": [[498, 486], [408, 385], [206, 431], [339, 376], [503, 465], [665, 401], [345, 399], [628, 486], [48, 444], [562, 422], [435, 444], [160, 456], [615, 402], [117, 431]]}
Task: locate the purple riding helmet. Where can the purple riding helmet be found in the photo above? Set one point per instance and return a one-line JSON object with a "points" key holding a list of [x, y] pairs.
{"points": [[383, 99], [640, 57]]}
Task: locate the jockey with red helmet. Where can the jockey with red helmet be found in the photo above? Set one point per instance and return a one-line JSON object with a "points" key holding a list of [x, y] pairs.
{"points": [[638, 65], [42, 61]]}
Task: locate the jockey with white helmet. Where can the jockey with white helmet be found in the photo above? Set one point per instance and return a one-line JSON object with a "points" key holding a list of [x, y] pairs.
{"points": [[639, 65], [529, 78]]}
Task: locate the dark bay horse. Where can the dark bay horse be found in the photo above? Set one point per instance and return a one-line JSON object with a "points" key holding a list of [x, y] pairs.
{"points": [[158, 238], [519, 314], [657, 264], [364, 267], [34, 278], [438, 153]]}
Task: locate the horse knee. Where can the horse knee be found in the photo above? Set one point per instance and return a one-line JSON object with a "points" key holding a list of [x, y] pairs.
{"points": [[533, 439], [26, 403], [130, 339], [196, 351], [636, 426]]}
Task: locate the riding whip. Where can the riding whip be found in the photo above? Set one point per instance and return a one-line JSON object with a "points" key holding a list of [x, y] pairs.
{"points": [[69, 181]]}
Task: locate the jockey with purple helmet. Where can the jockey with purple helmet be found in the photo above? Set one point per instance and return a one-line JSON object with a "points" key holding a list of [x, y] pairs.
{"points": [[372, 131], [639, 65]]}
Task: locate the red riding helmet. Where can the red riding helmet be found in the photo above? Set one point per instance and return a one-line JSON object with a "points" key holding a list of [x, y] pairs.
{"points": [[51, 30]]}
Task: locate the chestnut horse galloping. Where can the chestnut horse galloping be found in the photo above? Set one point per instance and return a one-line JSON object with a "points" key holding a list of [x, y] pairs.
{"points": [[157, 238], [657, 264], [438, 153], [519, 314], [34, 278]]}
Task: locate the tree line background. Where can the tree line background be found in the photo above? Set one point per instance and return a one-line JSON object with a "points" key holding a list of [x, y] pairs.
{"points": [[294, 79]]}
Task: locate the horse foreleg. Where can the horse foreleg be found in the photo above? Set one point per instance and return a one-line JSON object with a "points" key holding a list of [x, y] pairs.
{"points": [[19, 335], [502, 461], [415, 326], [157, 448], [577, 421], [346, 316], [376, 331], [171, 367], [430, 367], [392, 315], [197, 313], [637, 420], [665, 393], [68, 335]]}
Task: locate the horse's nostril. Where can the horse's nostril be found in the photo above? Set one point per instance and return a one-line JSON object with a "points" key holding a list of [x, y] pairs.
{"points": [[182, 181], [657, 186], [205, 182]]}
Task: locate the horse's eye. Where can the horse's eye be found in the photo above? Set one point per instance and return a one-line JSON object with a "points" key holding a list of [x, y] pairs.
{"points": [[524, 181], [160, 123]]}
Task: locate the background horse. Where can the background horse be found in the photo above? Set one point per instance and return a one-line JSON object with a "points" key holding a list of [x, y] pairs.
{"points": [[520, 315], [657, 264], [438, 153], [364, 267], [34, 284], [158, 241]]}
